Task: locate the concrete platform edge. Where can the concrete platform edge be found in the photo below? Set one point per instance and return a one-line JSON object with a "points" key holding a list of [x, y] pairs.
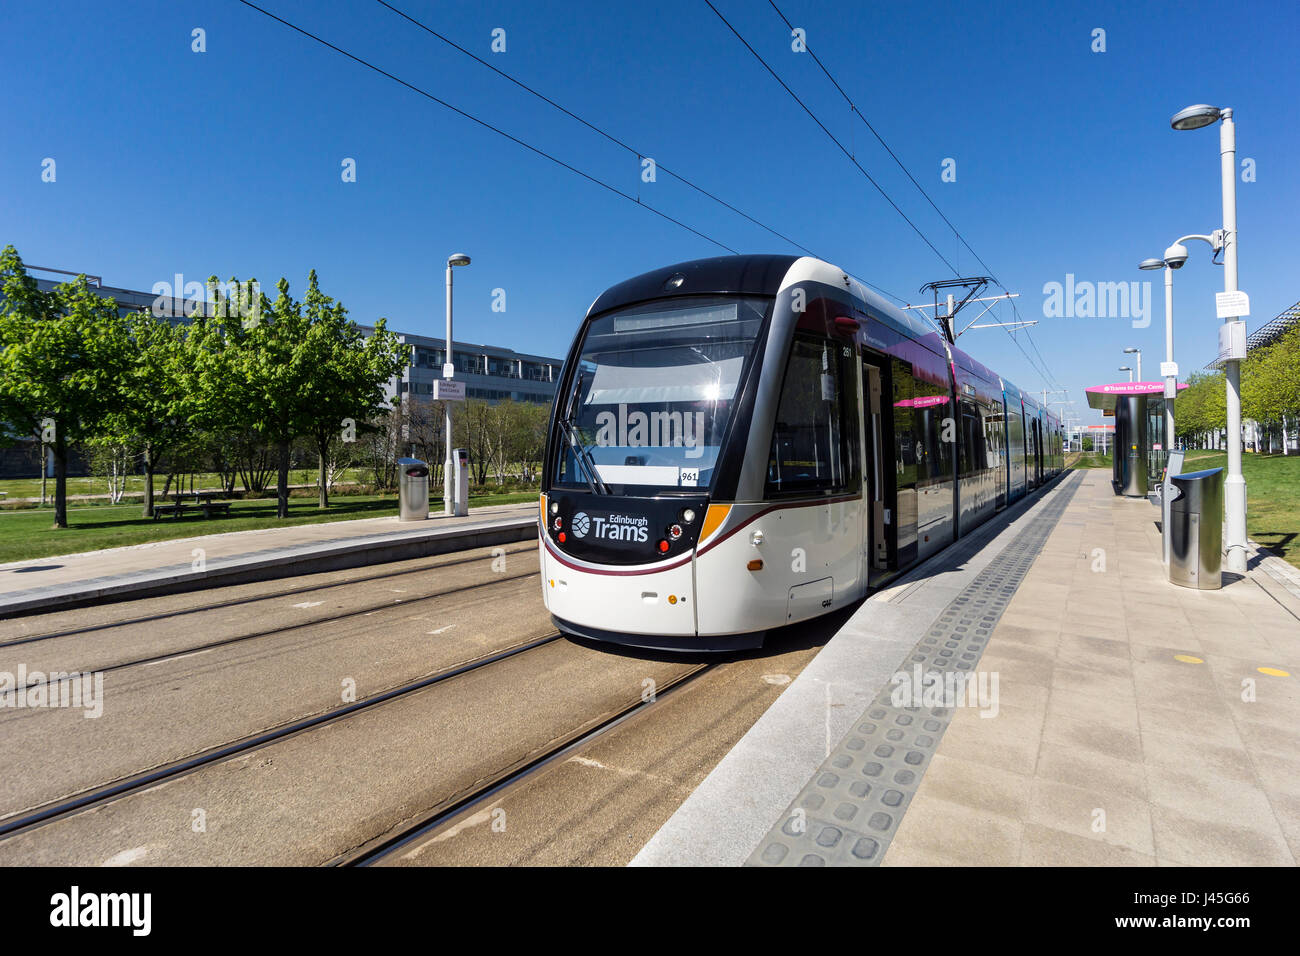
{"points": [[270, 564], [736, 805]]}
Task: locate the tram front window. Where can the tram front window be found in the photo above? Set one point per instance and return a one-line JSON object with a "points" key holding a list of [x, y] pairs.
{"points": [[655, 387]]}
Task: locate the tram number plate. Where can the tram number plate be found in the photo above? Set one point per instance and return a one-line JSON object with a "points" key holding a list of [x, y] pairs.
{"points": [[688, 477]]}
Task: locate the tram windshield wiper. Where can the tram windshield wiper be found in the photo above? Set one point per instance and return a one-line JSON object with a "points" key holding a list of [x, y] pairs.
{"points": [[583, 457], [580, 452]]}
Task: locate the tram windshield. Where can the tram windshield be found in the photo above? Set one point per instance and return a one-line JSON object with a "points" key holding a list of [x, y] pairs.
{"points": [[655, 387]]}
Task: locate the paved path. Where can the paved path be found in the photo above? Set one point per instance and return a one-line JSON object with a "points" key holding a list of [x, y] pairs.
{"points": [[1132, 722], [94, 568], [1141, 723]]}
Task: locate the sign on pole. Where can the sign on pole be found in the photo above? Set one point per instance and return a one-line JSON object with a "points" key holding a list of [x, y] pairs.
{"points": [[1232, 305], [448, 390]]}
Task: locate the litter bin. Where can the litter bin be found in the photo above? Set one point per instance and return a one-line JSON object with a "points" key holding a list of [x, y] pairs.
{"points": [[412, 489], [1196, 529]]}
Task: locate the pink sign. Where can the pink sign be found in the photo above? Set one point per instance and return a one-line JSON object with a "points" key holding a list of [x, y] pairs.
{"points": [[927, 401], [1131, 388]]}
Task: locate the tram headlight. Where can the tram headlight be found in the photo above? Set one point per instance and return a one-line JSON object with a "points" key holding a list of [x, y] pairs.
{"points": [[688, 515], [675, 532]]}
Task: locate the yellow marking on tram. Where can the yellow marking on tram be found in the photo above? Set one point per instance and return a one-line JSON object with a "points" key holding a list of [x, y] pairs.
{"points": [[713, 519]]}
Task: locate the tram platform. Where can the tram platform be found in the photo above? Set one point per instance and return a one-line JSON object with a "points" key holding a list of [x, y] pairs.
{"points": [[1111, 717], [237, 557]]}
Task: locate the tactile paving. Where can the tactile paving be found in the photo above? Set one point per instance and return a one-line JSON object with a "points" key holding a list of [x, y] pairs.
{"points": [[849, 811]]}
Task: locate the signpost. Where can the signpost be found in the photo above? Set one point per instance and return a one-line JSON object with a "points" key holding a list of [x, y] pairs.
{"points": [[448, 390]]}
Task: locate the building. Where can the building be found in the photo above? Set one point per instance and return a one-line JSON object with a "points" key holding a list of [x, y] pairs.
{"points": [[490, 373]]}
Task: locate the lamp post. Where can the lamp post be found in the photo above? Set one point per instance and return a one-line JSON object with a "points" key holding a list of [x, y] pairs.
{"points": [[1234, 488], [1175, 257], [1171, 380], [1139, 361], [449, 371], [1129, 369]]}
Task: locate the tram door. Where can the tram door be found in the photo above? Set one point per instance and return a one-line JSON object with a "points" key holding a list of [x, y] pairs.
{"points": [[875, 461]]}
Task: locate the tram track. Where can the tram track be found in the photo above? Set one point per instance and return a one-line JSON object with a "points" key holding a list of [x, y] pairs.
{"points": [[255, 598], [272, 632], [135, 783], [389, 846]]}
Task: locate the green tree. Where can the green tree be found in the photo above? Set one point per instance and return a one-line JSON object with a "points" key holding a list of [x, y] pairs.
{"points": [[1201, 407], [153, 407], [61, 355], [1270, 381], [344, 376]]}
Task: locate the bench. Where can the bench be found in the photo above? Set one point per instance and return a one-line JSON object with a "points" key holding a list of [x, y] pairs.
{"points": [[210, 508], [175, 510]]}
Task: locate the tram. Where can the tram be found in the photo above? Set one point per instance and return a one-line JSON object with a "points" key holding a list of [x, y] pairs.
{"points": [[744, 442]]}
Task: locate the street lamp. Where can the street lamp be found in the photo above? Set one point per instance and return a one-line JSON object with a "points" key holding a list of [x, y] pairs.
{"points": [[1175, 258], [448, 372], [1126, 368], [1234, 490], [1139, 360]]}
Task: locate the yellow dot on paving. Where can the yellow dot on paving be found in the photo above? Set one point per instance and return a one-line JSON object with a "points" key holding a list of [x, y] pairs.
{"points": [[1188, 659], [1272, 672]]}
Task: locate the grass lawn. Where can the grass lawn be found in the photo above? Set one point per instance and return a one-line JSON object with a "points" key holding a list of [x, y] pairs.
{"points": [[31, 487], [1272, 494], [1087, 459], [28, 533], [1272, 497]]}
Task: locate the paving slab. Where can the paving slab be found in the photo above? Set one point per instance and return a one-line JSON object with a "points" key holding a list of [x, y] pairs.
{"points": [[1134, 722]]}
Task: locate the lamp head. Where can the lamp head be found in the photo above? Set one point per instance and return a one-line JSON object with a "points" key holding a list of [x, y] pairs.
{"points": [[1176, 256], [1132, 350], [459, 259], [1194, 117], [1149, 264]]}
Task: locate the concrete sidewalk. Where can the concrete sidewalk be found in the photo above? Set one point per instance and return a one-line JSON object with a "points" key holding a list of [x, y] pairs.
{"points": [[240, 556], [1132, 721], [1141, 723]]}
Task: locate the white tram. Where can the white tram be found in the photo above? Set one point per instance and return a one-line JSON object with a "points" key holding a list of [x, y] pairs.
{"points": [[744, 442]]}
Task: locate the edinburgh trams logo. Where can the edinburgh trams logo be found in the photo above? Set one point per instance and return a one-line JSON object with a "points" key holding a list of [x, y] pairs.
{"points": [[614, 527]]}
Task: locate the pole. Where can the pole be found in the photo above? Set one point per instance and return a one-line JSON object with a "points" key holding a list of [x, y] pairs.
{"points": [[448, 500], [1234, 490], [1171, 382], [1139, 355]]}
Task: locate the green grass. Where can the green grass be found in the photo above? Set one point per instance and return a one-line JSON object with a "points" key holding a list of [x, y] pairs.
{"points": [[1272, 497], [1087, 459], [1272, 494], [28, 533], [31, 487]]}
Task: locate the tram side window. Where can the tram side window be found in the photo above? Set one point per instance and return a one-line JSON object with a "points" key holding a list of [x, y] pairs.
{"points": [[815, 439], [973, 454], [904, 430]]}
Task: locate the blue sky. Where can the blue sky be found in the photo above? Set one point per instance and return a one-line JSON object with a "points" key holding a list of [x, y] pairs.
{"points": [[228, 161]]}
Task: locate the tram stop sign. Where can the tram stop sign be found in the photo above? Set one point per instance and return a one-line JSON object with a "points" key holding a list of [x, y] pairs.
{"points": [[448, 390]]}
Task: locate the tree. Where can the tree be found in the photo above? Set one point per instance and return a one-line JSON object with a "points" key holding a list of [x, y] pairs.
{"points": [[1270, 381], [61, 354], [153, 404], [1201, 407], [344, 374]]}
